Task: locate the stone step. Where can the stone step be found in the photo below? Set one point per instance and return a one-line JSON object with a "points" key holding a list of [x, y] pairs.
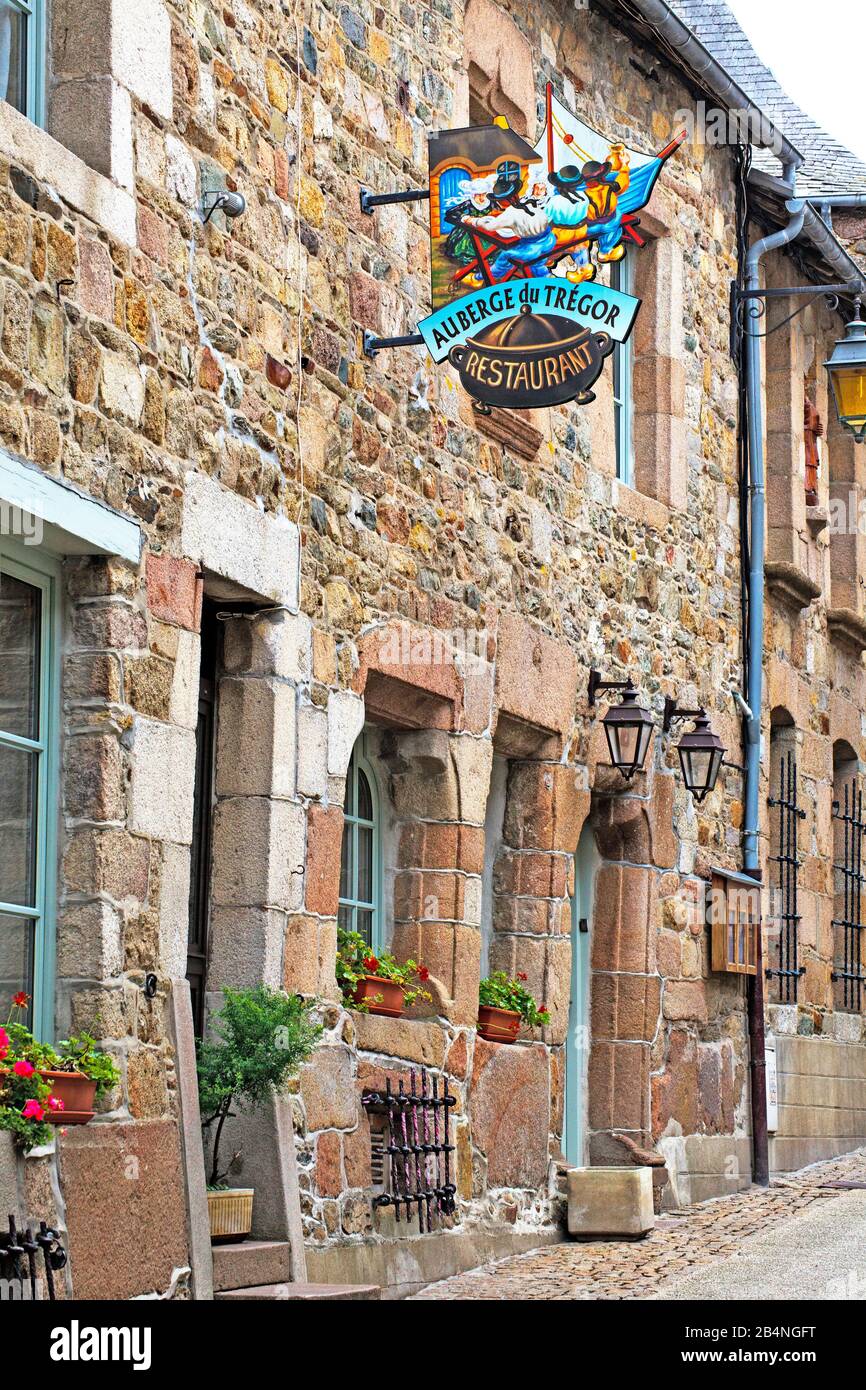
{"points": [[335, 1292], [251, 1263]]}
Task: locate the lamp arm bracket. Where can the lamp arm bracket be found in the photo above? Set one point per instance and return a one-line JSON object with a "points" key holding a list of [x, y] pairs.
{"points": [[752, 303], [672, 712], [596, 684]]}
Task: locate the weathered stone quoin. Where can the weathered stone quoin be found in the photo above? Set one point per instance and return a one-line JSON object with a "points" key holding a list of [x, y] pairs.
{"points": [[327, 553]]}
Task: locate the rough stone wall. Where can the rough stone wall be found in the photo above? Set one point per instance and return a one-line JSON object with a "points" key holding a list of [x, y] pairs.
{"points": [[815, 694], [158, 366]]}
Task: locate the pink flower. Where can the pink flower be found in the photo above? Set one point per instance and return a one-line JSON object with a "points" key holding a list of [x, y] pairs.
{"points": [[55, 1103], [4, 1044], [33, 1110], [23, 1068]]}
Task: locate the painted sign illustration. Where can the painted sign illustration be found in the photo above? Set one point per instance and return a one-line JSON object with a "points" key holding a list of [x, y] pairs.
{"points": [[518, 233]]}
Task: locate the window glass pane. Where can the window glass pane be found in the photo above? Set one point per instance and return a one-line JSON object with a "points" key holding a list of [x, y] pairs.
{"points": [[17, 829], [16, 961], [344, 918], [20, 606], [364, 923], [13, 56], [365, 798], [346, 863], [365, 864]]}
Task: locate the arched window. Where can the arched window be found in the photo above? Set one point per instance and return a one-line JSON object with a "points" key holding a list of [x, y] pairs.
{"points": [[360, 868]]}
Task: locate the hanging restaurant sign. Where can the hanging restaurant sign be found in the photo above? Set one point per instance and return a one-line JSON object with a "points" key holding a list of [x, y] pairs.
{"points": [[517, 234]]}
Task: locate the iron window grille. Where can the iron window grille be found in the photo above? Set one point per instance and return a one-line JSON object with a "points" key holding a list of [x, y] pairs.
{"points": [[411, 1149], [848, 815], [788, 969]]}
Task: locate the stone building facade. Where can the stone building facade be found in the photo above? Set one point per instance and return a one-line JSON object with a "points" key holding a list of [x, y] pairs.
{"points": [[250, 526]]}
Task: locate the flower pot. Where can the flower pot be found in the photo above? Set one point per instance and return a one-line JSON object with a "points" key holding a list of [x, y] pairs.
{"points": [[498, 1025], [77, 1092], [231, 1215], [382, 996]]}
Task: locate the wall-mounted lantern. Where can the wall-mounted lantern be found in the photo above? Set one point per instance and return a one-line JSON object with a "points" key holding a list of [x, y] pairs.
{"points": [[627, 726], [701, 752], [846, 368]]}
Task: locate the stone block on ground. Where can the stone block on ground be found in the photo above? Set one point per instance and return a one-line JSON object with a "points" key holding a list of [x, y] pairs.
{"points": [[610, 1201]]}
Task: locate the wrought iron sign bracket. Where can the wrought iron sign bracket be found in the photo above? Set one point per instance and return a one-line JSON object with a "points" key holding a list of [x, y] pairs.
{"points": [[369, 200], [373, 344], [754, 302]]}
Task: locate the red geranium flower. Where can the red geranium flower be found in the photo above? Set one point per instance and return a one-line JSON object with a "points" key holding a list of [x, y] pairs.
{"points": [[23, 1068], [521, 975], [21, 1000], [33, 1110], [371, 963], [423, 973]]}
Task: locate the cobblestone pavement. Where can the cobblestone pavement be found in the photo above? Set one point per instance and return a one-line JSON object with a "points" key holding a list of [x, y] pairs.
{"points": [[682, 1241]]}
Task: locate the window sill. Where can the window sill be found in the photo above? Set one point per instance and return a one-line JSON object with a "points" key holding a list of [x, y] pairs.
{"points": [[88, 192], [513, 433], [637, 506], [411, 1039], [786, 581], [847, 629]]}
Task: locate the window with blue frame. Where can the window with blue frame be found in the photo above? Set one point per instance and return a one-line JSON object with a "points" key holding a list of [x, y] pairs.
{"points": [[623, 411], [28, 780], [23, 56], [360, 867]]}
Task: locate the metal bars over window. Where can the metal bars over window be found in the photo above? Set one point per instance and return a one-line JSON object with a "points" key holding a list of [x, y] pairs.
{"points": [[417, 1168], [848, 890], [786, 916]]}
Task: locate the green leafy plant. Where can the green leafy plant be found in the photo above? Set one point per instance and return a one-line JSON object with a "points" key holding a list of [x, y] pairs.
{"points": [[356, 960], [261, 1037], [25, 1097], [81, 1053], [501, 991]]}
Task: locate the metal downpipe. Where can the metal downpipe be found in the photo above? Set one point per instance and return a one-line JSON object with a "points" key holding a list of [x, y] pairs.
{"points": [[796, 209]]}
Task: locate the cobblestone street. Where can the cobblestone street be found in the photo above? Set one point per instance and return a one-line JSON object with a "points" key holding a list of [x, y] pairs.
{"points": [[682, 1243]]}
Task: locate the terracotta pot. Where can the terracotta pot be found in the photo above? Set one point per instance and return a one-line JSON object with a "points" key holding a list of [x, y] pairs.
{"points": [[498, 1025], [77, 1092], [231, 1215], [383, 996]]}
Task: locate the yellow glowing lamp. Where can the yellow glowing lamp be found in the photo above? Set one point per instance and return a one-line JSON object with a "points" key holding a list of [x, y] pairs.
{"points": [[846, 368]]}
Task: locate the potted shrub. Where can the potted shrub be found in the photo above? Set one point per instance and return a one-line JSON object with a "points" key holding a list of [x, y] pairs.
{"points": [[377, 984], [79, 1077], [504, 1004], [260, 1037], [41, 1086]]}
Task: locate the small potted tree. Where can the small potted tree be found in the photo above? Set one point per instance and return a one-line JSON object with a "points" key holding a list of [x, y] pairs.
{"points": [[377, 984], [504, 1004], [260, 1037]]}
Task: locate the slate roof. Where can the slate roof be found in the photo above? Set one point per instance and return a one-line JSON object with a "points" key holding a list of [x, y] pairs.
{"points": [[830, 166]]}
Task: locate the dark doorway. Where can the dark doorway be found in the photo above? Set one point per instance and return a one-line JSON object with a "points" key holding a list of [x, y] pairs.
{"points": [[199, 879]]}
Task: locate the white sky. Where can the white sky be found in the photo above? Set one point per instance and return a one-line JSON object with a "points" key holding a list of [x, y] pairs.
{"points": [[816, 49]]}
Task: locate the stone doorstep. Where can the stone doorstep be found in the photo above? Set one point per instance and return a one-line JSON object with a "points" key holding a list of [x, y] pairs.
{"points": [[251, 1263], [311, 1292]]}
